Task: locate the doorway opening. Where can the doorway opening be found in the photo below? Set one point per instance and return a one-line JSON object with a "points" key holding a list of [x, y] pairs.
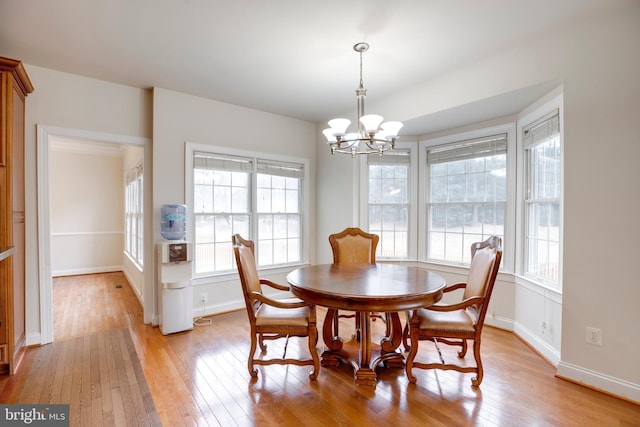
{"points": [[53, 247]]}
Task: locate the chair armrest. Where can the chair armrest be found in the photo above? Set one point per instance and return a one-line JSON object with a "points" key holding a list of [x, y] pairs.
{"points": [[454, 286], [458, 306], [274, 285], [275, 303]]}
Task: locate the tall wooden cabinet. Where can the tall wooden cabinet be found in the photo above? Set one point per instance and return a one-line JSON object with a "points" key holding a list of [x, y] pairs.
{"points": [[14, 88]]}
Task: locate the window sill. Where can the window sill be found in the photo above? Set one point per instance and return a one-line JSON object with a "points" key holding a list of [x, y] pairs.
{"points": [[233, 274], [540, 288]]}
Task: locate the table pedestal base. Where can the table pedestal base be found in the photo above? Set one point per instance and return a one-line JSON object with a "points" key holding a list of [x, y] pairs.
{"points": [[363, 366]]}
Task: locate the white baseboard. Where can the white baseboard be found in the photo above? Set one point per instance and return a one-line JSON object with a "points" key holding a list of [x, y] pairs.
{"points": [[87, 270], [135, 290], [499, 322], [541, 346], [597, 380], [211, 309]]}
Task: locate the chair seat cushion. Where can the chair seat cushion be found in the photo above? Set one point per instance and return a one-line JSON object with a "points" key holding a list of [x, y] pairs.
{"points": [[268, 315], [446, 321]]}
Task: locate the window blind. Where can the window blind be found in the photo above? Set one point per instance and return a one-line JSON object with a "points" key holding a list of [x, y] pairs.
{"points": [[468, 149], [221, 162], [133, 173], [542, 129], [289, 170], [395, 157]]}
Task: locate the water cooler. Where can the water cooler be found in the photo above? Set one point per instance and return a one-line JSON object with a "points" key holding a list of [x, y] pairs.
{"points": [[174, 272]]}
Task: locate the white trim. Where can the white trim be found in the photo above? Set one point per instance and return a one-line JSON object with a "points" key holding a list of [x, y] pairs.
{"points": [[45, 136], [34, 338], [87, 270], [44, 239], [82, 147], [599, 381], [543, 347], [499, 322]]}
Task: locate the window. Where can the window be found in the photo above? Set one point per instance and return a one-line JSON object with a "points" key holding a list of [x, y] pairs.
{"points": [[221, 207], [279, 213], [542, 199], [388, 202], [261, 199], [134, 215], [466, 196]]}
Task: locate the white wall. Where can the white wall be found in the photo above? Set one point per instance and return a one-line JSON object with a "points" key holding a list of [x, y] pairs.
{"points": [[180, 118], [87, 212], [73, 102], [599, 63]]}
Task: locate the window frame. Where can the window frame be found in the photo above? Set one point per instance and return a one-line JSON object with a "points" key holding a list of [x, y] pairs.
{"points": [[191, 148], [135, 178], [481, 130], [412, 238], [538, 111]]}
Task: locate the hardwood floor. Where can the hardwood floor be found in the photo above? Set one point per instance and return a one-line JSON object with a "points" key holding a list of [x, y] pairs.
{"points": [[200, 377]]}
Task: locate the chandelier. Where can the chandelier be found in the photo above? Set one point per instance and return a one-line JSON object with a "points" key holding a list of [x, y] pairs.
{"points": [[371, 136]]}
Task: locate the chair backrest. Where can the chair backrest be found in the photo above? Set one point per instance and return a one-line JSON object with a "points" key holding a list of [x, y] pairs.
{"points": [[354, 246], [248, 272], [485, 262]]}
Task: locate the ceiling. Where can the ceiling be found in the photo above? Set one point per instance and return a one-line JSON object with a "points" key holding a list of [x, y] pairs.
{"points": [[289, 57]]}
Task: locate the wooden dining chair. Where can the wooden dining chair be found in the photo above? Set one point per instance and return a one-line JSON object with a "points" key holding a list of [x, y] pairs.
{"points": [[273, 319], [355, 246], [454, 324]]}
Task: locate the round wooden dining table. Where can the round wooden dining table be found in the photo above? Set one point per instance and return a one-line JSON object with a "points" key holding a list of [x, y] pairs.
{"points": [[387, 288]]}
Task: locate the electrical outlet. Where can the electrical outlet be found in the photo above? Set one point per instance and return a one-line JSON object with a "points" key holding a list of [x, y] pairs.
{"points": [[594, 336], [203, 297]]}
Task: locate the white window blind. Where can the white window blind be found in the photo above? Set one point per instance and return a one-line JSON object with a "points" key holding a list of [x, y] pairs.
{"points": [[542, 129], [469, 149]]}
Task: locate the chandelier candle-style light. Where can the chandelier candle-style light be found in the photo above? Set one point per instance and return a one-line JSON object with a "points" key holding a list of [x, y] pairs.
{"points": [[371, 137]]}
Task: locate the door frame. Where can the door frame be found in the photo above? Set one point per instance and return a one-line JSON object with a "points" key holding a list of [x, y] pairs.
{"points": [[45, 135]]}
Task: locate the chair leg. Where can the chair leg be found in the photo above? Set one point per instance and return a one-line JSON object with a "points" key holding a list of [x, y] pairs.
{"points": [[263, 346], [405, 334], [252, 371], [476, 354], [313, 341], [413, 336], [463, 351]]}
